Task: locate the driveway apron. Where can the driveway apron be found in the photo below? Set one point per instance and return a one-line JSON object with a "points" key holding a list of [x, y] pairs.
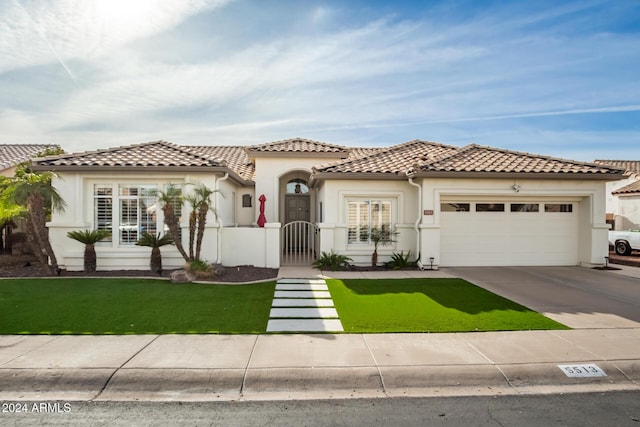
{"points": [[580, 298]]}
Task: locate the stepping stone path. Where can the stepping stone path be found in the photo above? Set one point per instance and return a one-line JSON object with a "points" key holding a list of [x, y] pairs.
{"points": [[303, 305]]}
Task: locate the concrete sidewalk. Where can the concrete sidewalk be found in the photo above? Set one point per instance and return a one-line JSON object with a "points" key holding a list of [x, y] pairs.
{"points": [[264, 367]]}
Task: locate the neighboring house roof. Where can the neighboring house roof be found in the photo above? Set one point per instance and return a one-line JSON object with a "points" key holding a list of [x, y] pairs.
{"points": [[633, 188], [630, 166], [297, 146], [396, 160], [14, 154], [476, 160]]}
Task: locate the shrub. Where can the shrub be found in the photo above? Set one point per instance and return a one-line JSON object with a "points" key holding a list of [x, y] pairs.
{"points": [[332, 261], [400, 260]]}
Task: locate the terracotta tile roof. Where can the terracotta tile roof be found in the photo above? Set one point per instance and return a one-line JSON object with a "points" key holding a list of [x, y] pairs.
{"points": [[398, 159], [633, 188], [478, 159], [298, 145], [630, 166], [234, 155], [13, 154], [150, 154]]}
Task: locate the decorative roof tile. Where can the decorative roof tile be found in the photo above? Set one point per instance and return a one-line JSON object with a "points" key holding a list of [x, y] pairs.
{"points": [[630, 166], [298, 145], [150, 154], [398, 159], [235, 156], [633, 188], [478, 159], [13, 154]]}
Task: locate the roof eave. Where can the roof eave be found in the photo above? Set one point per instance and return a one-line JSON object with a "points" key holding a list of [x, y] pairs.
{"points": [[380, 176], [520, 175], [146, 169]]}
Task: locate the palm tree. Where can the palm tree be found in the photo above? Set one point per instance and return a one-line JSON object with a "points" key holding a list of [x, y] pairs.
{"points": [[35, 192], [168, 200], [155, 242], [89, 238], [200, 202], [203, 196], [382, 236]]}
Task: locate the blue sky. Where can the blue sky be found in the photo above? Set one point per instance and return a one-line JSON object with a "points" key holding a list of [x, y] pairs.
{"points": [[548, 77]]}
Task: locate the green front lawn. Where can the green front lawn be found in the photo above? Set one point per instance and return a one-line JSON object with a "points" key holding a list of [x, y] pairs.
{"points": [[151, 306], [428, 305], [131, 306]]}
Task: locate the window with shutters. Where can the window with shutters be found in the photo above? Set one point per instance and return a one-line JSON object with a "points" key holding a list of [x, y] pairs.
{"points": [[138, 212], [364, 216], [126, 210], [103, 209]]}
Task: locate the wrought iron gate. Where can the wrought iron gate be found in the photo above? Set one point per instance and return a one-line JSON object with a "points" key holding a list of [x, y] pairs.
{"points": [[299, 243]]}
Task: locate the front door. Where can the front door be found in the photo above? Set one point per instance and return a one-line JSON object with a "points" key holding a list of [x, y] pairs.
{"points": [[297, 208]]}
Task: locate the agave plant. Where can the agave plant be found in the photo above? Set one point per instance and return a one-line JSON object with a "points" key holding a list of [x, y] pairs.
{"points": [[89, 238], [155, 242]]}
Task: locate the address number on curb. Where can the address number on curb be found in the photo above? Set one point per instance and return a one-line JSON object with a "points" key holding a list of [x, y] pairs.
{"points": [[582, 370]]}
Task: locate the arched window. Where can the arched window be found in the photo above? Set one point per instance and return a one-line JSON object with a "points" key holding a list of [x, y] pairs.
{"points": [[297, 186]]}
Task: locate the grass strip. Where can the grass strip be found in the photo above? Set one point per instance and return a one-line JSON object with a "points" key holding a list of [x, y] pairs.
{"points": [[131, 306], [428, 305]]}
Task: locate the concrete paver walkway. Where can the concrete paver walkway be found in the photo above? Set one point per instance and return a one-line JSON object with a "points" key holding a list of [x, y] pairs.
{"points": [[303, 305]]}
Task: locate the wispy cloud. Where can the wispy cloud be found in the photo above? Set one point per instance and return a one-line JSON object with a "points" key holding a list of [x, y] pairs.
{"points": [[189, 72]]}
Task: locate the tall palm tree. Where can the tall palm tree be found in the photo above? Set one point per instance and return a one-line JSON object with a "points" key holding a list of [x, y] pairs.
{"points": [[89, 238], [168, 200], [200, 202], [35, 192], [155, 242], [203, 196]]}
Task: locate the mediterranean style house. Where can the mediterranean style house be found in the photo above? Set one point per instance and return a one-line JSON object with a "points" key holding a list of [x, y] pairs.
{"points": [[450, 206]]}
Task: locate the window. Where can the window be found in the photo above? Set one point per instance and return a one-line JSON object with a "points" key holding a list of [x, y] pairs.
{"points": [[455, 207], [297, 186], [126, 210], [103, 209], [558, 207], [525, 207], [138, 212], [489, 207], [367, 215]]}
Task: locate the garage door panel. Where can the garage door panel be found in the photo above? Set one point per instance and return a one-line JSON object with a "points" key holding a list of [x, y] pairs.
{"points": [[509, 238]]}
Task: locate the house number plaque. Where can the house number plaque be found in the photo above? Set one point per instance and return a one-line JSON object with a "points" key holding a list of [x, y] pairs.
{"points": [[582, 370], [428, 211]]}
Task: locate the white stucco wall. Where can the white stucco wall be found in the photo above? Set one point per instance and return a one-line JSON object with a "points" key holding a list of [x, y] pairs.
{"points": [[77, 191], [590, 197], [334, 195]]}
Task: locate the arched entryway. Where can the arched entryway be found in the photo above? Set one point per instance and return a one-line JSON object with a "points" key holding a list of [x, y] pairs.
{"points": [[298, 238]]}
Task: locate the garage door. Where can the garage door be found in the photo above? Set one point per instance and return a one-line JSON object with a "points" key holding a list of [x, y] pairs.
{"points": [[490, 233]]}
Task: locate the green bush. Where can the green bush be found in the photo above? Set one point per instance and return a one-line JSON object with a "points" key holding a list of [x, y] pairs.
{"points": [[400, 260], [332, 261]]}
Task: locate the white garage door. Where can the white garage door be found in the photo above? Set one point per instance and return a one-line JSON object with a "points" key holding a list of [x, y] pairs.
{"points": [[490, 233]]}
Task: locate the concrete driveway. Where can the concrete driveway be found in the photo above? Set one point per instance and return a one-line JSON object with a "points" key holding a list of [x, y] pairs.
{"points": [[580, 298]]}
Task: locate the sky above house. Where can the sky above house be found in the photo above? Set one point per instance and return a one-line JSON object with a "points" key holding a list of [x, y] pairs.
{"points": [[559, 78]]}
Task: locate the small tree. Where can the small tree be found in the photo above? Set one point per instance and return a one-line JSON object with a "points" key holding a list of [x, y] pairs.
{"points": [[89, 238], [34, 192], [200, 201], [168, 200], [155, 242], [383, 236]]}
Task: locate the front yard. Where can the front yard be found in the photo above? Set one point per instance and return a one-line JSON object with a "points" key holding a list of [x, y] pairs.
{"points": [[151, 306]]}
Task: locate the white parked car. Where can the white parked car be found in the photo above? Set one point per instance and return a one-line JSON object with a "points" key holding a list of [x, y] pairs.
{"points": [[625, 241]]}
